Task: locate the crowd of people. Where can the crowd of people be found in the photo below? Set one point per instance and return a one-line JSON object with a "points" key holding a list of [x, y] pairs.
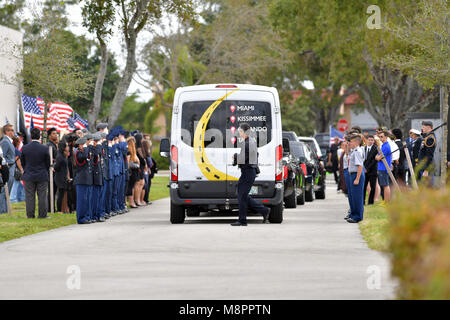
{"points": [[94, 174], [365, 164]]}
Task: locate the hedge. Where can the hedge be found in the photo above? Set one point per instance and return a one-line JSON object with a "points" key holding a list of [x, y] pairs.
{"points": [[162, 163], [419, 234]]}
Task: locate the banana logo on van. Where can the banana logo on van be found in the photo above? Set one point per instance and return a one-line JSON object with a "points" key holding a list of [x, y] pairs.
{"points": [[206, 167]]}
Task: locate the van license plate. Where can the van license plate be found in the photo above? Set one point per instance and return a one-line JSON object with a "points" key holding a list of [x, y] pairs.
{"points": [[253, 190]]}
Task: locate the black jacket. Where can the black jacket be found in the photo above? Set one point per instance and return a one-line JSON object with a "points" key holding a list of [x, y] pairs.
{"points": [[83, 167], [370, 164], [244, 159], [35, 161], [61, 170]]}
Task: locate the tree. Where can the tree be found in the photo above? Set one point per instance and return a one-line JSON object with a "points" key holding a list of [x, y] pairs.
{"points": [[49, 69], [98, 16], [426, 34], [9, 14], [135, 15], [336, 32]]}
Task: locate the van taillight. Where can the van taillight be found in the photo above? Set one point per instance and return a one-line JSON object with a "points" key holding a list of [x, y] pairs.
{"points": [[174, 163], [285, 172], [278, 166]]}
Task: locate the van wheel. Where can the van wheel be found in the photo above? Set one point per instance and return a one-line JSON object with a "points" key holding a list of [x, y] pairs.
{"points": [[176, 213], [310, 194], [321, 193], [192, 212], [291, 201], [301, 198], [276, 214]]}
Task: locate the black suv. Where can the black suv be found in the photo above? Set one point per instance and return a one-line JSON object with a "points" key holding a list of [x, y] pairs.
{"points": [[315, 173], [294, 175]]}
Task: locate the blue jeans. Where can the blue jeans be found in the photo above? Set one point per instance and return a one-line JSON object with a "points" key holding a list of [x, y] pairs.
{"points": [[357, 203], [349, 191], [17, 192], [11, 177], [3, 204]]}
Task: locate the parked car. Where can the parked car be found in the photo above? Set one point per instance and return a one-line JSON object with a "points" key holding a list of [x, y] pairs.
{"points": [[290, 135], [295, 174], [315, 173], [323, 139]]}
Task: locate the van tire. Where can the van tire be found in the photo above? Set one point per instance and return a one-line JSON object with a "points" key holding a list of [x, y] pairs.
{"points": [[177, 213], [276, 214], [192, 212], [291, 200], [301, 198]]}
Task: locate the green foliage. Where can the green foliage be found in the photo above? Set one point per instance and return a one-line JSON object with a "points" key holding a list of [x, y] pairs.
{"points": [[374, 227], [297, 116], [162, 163], [420, 243], [50, 69], [426, 35], [9, 14], [133, 113]]}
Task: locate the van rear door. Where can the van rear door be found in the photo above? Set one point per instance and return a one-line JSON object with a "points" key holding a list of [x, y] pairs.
{"points": [[257, 109], [202, 169]]}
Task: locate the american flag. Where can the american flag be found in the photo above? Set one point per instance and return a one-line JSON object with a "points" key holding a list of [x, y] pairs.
{"points": [[80, 122], [335, 133], [31, 109], [59, 112], [71, 123]]}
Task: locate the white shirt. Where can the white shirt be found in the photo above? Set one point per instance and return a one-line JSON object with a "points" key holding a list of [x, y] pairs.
{"points": [[394, 148], [356, 159]]}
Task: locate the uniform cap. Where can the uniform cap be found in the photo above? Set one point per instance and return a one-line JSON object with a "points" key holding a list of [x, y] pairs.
{"points": [[89, 136], [415, 131], [97, 136], [427, 123], [81, 141], [102, 125], [84, 130]]}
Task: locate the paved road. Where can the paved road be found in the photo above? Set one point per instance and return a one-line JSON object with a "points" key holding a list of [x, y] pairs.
{"points": [[313, 254]]}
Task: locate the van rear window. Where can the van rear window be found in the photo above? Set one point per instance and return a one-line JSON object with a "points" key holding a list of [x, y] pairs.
{"points": [[225, 120]]}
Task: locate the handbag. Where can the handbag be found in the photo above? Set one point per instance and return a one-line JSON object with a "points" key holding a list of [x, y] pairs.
{"points": [[17, 174]]}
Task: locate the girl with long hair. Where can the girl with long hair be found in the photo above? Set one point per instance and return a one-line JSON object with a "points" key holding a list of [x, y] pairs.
{"points": [[133, 169]]}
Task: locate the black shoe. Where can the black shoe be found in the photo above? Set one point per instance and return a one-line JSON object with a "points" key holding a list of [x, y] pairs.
{"points": [[101, 219], [350, 220], [106, 216], [85, 222], [347, 217], [238, 224], [266, 216]]}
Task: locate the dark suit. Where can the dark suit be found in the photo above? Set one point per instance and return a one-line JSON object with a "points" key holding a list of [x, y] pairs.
{"points": [[370, 164], [61, 171], [248, 163], [35, 161]]}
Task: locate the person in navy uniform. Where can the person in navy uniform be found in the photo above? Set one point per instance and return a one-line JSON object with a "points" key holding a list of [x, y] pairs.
{"points": [[105, 172], [83, 180], [123, 150], [116, 174], [97, 170], [426, 152], [248, 163]]}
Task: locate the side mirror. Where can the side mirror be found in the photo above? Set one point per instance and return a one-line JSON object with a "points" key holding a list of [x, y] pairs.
{"points": [[164, 148], [286, 145]]}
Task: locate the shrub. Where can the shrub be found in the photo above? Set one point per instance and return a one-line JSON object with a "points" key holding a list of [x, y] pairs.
{"points": [[420, 243], [162, 163]]}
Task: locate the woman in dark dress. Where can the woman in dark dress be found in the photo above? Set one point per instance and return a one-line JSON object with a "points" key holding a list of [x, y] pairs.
{"points": [[139, 191], [62, 177], [133, 171]]}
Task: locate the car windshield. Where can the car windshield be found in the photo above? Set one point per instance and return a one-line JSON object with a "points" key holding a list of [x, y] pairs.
{"points": [[297, 150]]}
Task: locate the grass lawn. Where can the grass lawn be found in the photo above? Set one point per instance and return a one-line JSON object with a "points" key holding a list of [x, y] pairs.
{"points": [[17, 225], [374, 226]]}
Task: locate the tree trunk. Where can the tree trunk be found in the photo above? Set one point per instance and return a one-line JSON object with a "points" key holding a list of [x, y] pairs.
{"points": [[124, 83], [94, 110], [400, 94], [444, 119]]}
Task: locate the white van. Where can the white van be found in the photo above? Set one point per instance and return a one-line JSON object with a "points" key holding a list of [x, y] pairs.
{"points": [[204, 137]]}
